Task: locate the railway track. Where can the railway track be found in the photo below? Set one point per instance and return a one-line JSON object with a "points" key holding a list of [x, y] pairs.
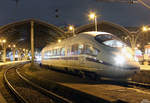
{"points": [[131, 84], [109, 81], [143, 85], [122, 83], [26, 91], [13, 72], [119, 87]]}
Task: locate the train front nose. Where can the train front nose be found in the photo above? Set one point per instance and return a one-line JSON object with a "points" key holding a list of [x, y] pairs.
{"points": [[123, 71], [128, 72], [126, 68], [125, 65]]}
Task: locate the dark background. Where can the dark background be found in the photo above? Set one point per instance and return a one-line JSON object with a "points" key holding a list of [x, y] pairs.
{"points": [[73, 11]]}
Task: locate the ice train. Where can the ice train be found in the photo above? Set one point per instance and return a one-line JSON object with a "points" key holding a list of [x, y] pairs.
{"points": [[95, 54]]}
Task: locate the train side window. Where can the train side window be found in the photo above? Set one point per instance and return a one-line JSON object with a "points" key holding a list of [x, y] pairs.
{"points": [[74, 49], [62, 51], [58, 52], [87, 50], [148, 51], [68, 51], [55, 52], [80, 49], [95, 51], [50, 52], [46, 54]]}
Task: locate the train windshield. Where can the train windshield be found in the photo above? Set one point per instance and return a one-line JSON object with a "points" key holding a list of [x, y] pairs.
{"points": [[109, 40]]}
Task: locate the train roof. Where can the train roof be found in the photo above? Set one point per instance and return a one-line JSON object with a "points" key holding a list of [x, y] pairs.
{"points": [[94, 33], [91, 33]]}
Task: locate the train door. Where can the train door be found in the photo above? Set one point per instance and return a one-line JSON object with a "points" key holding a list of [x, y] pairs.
{"points": [[82, 58], [68, 54], [74, 55]]}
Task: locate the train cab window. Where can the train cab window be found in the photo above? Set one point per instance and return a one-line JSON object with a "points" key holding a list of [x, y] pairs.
{"points": [[109, 40]]}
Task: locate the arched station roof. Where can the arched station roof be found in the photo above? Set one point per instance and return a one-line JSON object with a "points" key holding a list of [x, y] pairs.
{"points": [[19, 33], [106, 27]]}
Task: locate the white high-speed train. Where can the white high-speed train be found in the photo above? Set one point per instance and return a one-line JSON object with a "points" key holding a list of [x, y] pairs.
{"points": [[95, 54]]}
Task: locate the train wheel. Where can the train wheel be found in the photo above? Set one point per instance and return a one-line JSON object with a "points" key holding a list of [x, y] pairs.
{"points": [[94, 76], [66, 69], [82, 74]]}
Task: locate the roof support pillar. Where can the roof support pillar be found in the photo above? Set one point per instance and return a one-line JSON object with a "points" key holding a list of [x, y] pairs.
{"points": [[32, 42]]}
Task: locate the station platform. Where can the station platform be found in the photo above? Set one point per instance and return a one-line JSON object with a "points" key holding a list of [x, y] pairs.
{"points": [[145, 67], [11, 62]]}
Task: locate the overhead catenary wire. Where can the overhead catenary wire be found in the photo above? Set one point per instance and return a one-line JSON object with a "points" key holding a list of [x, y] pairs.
{"points": [[144, 4]]}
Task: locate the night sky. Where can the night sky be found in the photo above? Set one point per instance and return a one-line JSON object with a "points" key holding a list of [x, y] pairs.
{"points": [[73, 12]]}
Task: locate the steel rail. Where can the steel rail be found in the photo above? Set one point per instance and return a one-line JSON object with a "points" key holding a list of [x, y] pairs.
{"points": [[52, 95], [144, 85], [13, 90]]}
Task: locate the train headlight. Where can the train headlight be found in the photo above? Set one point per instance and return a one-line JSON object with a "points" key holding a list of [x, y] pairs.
{"points": [[129, 55], [119, 60]]}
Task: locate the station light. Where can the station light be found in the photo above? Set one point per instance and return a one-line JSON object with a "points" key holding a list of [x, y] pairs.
{"points": [[59, 40], [71, 27], [145, 28], [9, 46], [126, 38], [14, 45], [138, 45], [136, 48], [92, 15], [4, 41]]}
